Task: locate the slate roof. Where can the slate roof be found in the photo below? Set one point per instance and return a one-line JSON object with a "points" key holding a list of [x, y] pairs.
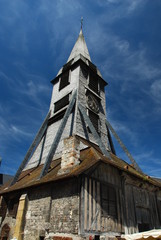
{"points": [[80, 47], [88, 158]]}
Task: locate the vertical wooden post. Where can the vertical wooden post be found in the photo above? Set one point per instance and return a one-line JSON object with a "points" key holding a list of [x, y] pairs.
{"points": [[90, 203], [20, 218], [85, 204], [98, 207], [94, 203]]}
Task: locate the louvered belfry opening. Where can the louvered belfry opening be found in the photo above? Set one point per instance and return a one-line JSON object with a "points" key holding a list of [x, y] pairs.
{"points": [[64, 80], [61, 103], [93, 82], [94, 119]]}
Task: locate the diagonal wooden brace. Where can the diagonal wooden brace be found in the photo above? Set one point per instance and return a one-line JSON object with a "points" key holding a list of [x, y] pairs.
{"points": [[123, 147], [58, 136], [31, 148], [92, 129]]}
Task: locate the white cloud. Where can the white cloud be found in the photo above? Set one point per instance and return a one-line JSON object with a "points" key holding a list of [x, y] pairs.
{"points": [[35, 91], [4, 77], [59, 7], [138, 62], [16, 130], [150, 164], [122, 46], [118, 9], [123, 131], [134, 4], [155, 90], [9, 132]]}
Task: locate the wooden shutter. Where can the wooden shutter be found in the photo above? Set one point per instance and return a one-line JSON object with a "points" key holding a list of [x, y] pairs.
{"points": [[93, 82], [64, 81], [61, 103], [94, 119]]}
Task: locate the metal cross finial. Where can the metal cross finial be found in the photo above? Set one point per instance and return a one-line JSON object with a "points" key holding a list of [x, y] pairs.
{"points": [[81, 22]]}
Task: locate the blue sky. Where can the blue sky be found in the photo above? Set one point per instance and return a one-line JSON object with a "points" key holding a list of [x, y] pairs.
{"points": [[124, 41]]}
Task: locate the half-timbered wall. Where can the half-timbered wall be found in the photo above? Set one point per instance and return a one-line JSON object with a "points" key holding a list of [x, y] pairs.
{"points": [[101, 208], [141, 209], [95, 216], [113, 204]]}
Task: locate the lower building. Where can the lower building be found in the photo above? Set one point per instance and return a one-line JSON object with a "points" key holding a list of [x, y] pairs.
{"points": [[100, 197], [4, 178]]}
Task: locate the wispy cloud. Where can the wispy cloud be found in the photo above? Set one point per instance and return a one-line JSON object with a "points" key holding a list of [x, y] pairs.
{"points": [[133, 5], [35, 91], [155, 90], [9, 131], [118, 9], [18, 131]]}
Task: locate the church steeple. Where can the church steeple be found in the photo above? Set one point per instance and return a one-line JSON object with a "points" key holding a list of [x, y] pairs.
{"points": [[76, 118], [80, 47], [77, 108]]}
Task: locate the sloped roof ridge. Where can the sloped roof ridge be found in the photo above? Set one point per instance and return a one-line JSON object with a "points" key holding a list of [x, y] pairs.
{"points": [[80, 47]]}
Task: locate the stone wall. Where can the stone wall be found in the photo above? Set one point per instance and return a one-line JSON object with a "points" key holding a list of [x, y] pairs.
{"points": [[52, 209], [7, 215], [38, 213], [71, 153], [65, 208]]}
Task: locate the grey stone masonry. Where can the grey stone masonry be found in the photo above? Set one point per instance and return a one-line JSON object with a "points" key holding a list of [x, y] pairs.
{"points": [[51, 209], [38, 213], [70, 153], [65, 208]]}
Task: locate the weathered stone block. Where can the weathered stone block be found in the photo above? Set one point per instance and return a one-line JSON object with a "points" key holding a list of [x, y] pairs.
{"points": [[71, 153]]}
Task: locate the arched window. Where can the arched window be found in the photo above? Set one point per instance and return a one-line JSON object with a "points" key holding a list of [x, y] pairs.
{"points": [[5, 232]]}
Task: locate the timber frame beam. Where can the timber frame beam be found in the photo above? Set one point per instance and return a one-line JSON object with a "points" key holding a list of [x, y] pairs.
{"points": [[123, 147], [58, 136], [34, 144], [94, 132]]}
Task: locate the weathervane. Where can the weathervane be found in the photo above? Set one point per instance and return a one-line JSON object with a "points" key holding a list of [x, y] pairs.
{"points": [[81, 22]]}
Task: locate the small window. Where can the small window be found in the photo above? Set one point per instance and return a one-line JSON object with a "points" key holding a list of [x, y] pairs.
{"points": [[64, 81], [93, 67], [3, 208], [159, 209], [5, 232], [93, 82], [143, 227], [97, 237], [94, 119], [1, 178], [61, 103], [109, 202], [84, 72], [13, 207], [41, 238]]}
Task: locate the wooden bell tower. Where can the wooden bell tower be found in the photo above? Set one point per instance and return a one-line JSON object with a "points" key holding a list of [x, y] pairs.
{"points": [[78, 107]]}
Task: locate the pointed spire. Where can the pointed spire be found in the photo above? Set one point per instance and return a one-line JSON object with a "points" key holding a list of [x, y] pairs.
{"points": [[80, 47]]}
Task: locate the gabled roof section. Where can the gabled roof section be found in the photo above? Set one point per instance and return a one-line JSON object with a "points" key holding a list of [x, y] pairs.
{"points": [[89, 157], [80, 47]]}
